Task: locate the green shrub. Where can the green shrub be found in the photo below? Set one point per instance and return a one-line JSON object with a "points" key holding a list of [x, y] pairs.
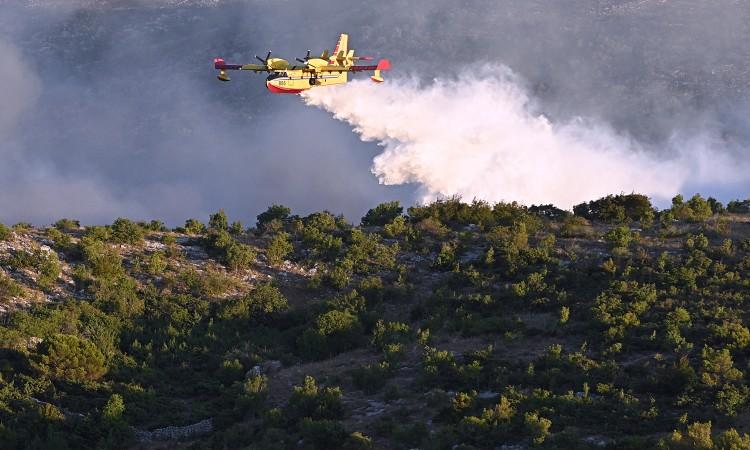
{"points": [[5, 232], [239, 257], [274, 212], [103, 260], [236, 228], [382, 214], [370, 378], [125, 231], [195, 226], [49, 270], [9, 288], [310, 400], [336, 322], [209, 283], [397, 227], [67, 357], [576, 226], [446, 258], [264, 300], [618, 209], [219, 221], [114, 408], [156, 264], [386, 333], [739, 207], [620, 237], [118, 296], [46, 263], [278, 249], [97, 233], [323, 434], [60, 241], [67, 225], [538, 427], [696, 209]]}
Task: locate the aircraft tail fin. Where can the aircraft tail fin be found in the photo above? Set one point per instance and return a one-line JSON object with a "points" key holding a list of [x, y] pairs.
{"points": [[342, 48]]}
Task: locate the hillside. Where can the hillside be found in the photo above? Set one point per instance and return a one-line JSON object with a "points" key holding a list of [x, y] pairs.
{"points": [[446, 326]]}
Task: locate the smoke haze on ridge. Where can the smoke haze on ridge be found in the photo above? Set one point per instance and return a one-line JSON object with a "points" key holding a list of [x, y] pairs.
{"points": [[111, 109]]}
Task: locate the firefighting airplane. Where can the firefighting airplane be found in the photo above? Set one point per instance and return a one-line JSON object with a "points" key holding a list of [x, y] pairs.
{"points": [[327, 70]]}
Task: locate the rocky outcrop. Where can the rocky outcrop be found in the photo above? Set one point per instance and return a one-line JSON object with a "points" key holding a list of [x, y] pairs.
{"points": [[175, 433]]}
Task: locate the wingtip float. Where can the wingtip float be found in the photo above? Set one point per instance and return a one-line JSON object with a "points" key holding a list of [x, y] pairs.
{"points": [[326, 70]]}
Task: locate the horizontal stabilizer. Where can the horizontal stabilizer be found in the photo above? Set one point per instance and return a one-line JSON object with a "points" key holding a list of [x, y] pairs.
{"points": [[219, 64]]}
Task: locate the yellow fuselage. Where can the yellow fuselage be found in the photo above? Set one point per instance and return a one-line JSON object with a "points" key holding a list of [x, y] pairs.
{"points": [[293, 81]]}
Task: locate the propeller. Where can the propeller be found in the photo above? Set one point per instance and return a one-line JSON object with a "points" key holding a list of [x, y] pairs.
{"points": [[264, 61], [307, 57]]}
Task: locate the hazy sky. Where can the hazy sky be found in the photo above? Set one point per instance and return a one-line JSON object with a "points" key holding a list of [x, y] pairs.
{"points": [[111, 108]]}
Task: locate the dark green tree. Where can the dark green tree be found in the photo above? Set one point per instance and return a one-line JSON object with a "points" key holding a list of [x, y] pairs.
{"points": [[70, 358], [382, 214], [219, 221]]}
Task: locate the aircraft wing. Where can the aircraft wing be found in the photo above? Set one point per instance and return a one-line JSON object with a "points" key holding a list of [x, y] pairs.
{"points": [[383, 64], [332, 69], [255, 67], [363, 68]]}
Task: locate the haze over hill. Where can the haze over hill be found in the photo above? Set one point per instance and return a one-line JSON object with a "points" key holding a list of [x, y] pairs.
{"points": [[110, 108]]}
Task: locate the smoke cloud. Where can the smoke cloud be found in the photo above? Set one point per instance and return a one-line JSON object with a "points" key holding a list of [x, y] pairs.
{"points": [[479, 135], [111, 107]]}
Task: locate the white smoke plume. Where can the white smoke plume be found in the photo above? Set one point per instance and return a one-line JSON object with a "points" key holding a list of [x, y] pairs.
{"points": [[479, 136]]}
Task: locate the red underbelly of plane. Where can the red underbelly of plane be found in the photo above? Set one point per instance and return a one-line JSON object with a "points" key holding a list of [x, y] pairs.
{"points": [[278, 90]]}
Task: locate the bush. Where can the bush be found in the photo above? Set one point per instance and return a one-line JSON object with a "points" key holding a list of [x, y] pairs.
{"points": [[219, 221], [194, 226], [274, 212], [736, 206], [156, 264], [118, 296], [9, 288], [576, 226], [537, 426], [278, 249], [620, 237], [97, 233], [5, 232], [549, 211], [125, 231], [67, 225], [114, 408], [49, 270], [323, 434], [695, 210], [342, 325], [236, 228], [47, 264], [370, 378], [264, 300], [454, 213], [156, 225], [103, 260], [60, 241], [239, 257], [70, 358], [211, 283], [618, 209], [382, 214], [309, 400]]}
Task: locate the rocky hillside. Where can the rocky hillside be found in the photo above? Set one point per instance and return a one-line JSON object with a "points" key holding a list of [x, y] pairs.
{"points": [[452, 326]]}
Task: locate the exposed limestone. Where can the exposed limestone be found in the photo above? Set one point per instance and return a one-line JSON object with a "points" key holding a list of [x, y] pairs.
{"points": [[175, 433]]}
